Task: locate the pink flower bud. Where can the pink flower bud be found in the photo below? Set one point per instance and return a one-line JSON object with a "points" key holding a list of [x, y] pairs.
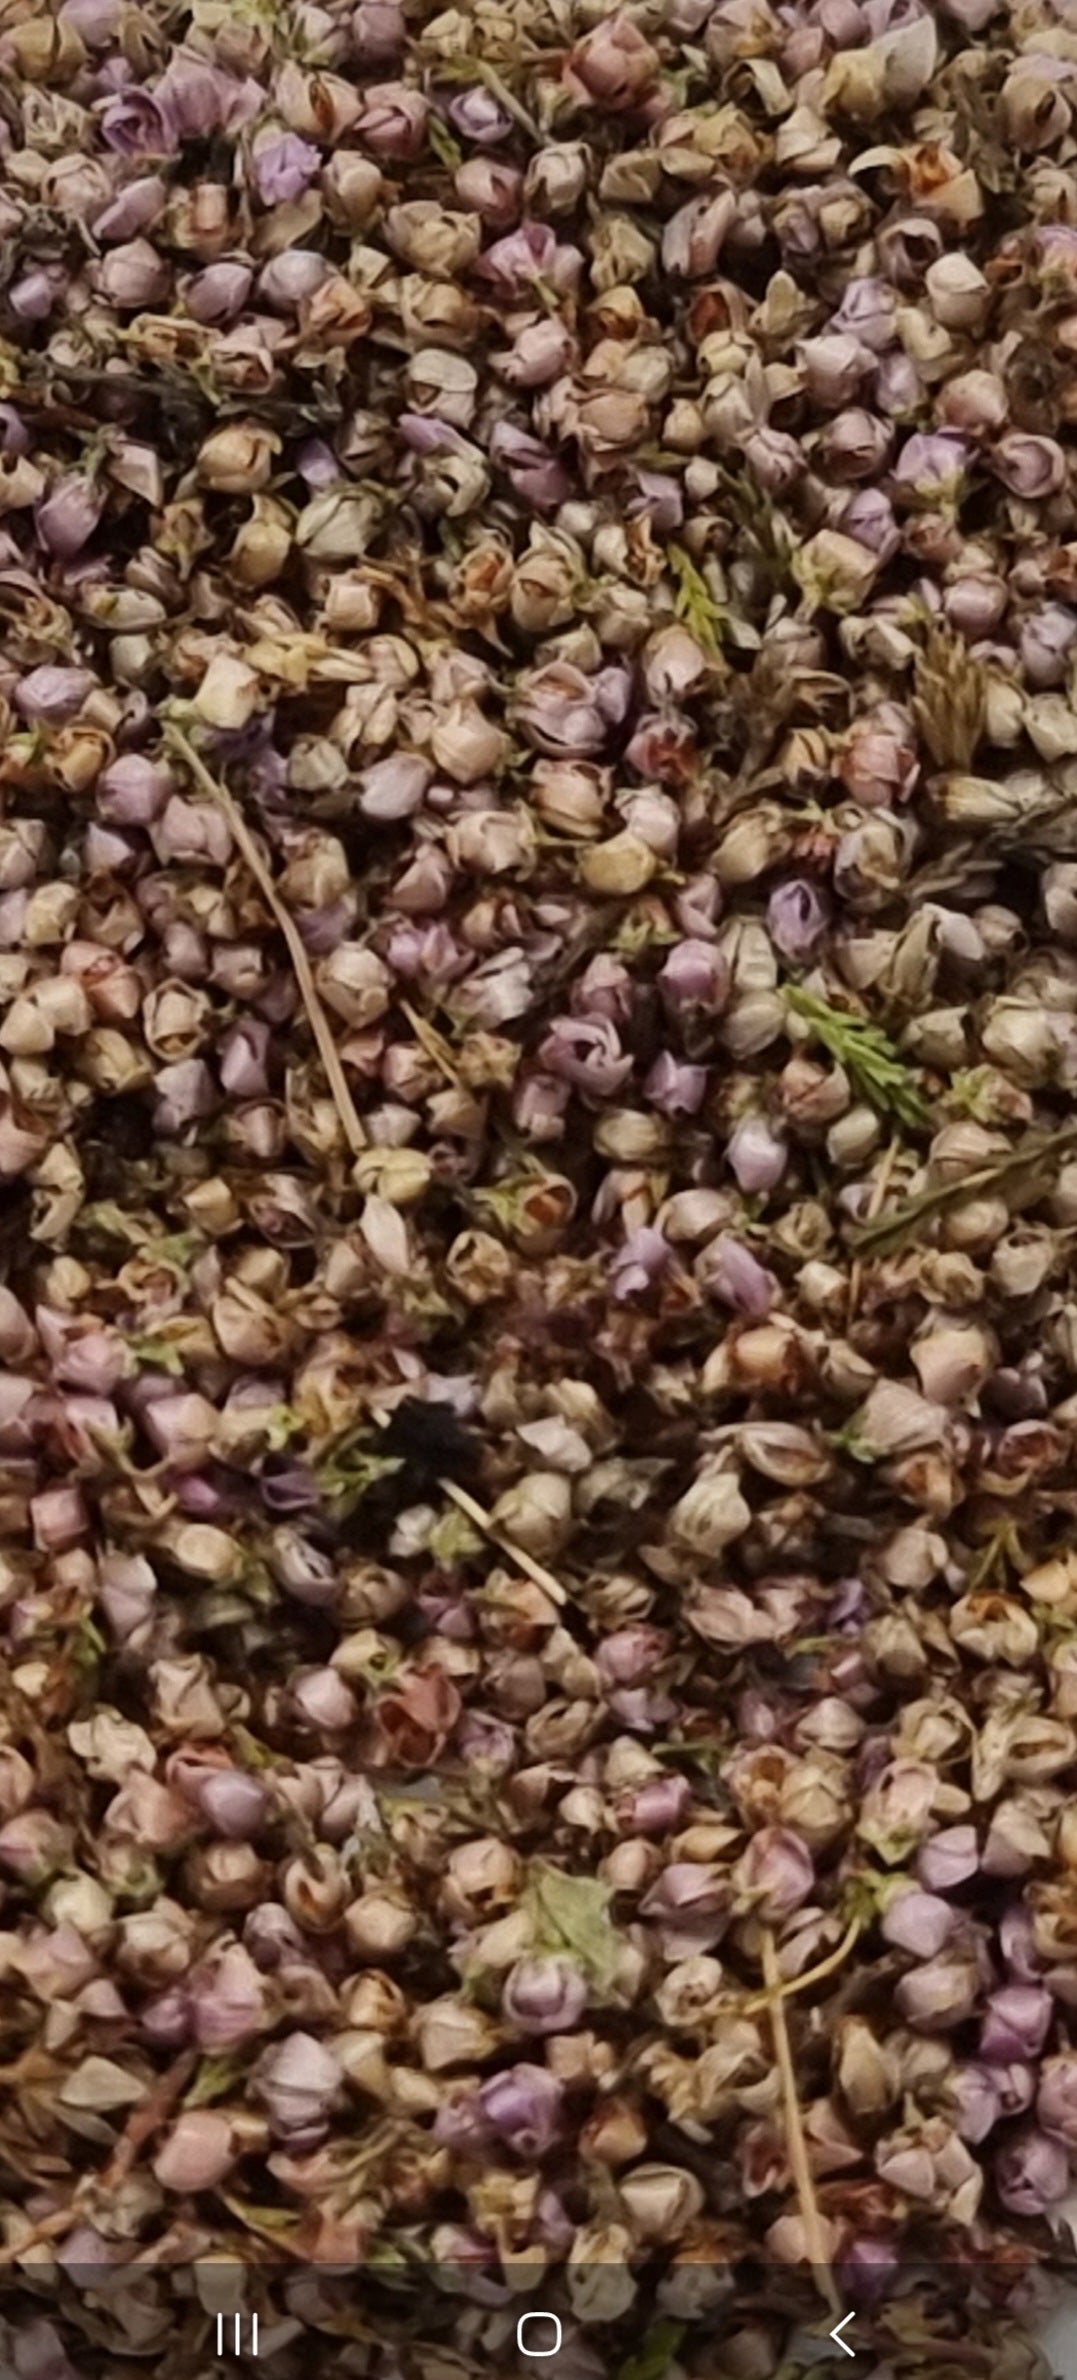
{"points": [[394, 788], [51, 694], [378, 31], [931, 467], [1032, 2173], [488, 188], [657, 1807], [543, 1995], [232, 1803], [392, 121], [776, 1873], [69, 515], [694, 976], [322, 1698], [948, 1859], [917, 1922], [1046, 638], [587, 1055], [33, 1846], [137, 207], [182, 1427], [614, 63], [299, 2083], [227, 2000], [59, 1518], [975, 606], [133, 276], [197, 2153], [1029, 466]]}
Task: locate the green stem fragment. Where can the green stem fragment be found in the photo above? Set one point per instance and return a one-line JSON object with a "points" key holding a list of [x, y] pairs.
{"points": [[1029, 1168]]}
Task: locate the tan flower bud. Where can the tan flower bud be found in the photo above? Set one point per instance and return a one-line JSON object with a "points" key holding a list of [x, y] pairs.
{"points": [[619, 867]]}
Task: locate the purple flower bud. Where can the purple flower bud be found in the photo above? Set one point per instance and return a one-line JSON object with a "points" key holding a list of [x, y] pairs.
{"points": [[796, 918], [1056, 2098], [219, 293], [948, 1859], [543, 1996], [243, 1059], [639, 1264], [51, 694], [1031, 2173], [730, 1272], [477, 116], [917, 1922], [133, 790], [931, 466], [200, 99], [283, 166], [524, 2107], [674, 1087], [869, 517], [67, 518], [657, 1807], [1016, 2022], [977, 2106], [139, 123], [756, 1154]]}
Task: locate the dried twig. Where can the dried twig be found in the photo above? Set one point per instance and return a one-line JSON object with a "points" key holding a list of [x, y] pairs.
{"points": [[799, 2161], [316, 1016]]}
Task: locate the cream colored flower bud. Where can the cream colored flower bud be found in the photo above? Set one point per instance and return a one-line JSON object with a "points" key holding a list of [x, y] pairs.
{"points": [[467, 745], [230, 692], [338, 524], [399, 1175], [710, 1515], [354, 984], [536, 1514], [238, 459], [111, 1063], [262, 545], [958, 291], [26, 1032]]}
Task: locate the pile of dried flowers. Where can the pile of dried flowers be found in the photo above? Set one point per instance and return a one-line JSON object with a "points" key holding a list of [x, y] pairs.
{"points": [[538, 1030]]}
